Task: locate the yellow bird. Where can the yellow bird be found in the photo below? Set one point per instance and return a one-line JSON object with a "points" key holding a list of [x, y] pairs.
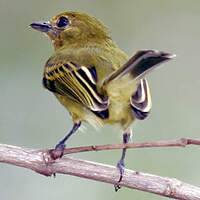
{"points": [[93, 78]]}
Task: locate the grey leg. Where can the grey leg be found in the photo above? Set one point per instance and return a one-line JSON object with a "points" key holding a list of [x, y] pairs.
{"points": [[121, 163], [61, 145]]}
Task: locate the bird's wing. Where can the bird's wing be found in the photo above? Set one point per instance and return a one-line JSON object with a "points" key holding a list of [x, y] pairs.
{"points": [[141, 101], [77, 82]]}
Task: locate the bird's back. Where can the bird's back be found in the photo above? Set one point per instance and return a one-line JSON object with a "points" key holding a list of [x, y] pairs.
{"points": [[105, 61]]}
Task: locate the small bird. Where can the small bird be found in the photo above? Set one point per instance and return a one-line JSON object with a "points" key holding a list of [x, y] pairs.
{"points": [[94, 79]]}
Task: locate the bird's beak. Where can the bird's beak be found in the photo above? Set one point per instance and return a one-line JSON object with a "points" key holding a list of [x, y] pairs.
{"points": [[43, 26]]}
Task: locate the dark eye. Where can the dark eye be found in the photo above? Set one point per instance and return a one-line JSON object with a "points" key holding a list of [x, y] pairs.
{"points": [[62, 21]]}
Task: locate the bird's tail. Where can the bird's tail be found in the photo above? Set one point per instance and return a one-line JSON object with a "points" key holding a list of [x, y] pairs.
{"points": [[140, 64], [127, 84]]}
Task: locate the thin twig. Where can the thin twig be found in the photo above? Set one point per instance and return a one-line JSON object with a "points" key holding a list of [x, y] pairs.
{"points": [[41, 162], [170, 143]]}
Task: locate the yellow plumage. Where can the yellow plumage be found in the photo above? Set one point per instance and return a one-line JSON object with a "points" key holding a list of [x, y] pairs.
{"points": [[93, 78]]}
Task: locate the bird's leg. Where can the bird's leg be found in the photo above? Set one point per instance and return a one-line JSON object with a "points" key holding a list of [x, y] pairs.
{"points": [[121, 163], [61, 145]]}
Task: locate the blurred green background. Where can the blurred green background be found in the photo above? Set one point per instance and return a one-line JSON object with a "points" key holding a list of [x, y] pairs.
{"points": [[30, 116]]}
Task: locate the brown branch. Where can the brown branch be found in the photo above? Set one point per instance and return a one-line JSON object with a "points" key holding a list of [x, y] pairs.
{"points": [[40, 161], [170, 143]]}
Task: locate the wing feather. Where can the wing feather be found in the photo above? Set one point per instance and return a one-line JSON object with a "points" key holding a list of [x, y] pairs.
{"points": [[76, 82]]}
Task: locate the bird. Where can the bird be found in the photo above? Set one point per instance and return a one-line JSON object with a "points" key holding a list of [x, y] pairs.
{"points": [[95, 80]]}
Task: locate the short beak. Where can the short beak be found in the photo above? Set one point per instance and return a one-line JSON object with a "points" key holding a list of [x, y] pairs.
{"points": [[42, 26]]}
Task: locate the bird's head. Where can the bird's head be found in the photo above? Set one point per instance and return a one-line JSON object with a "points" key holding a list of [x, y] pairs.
{"points": [[71, 28]]}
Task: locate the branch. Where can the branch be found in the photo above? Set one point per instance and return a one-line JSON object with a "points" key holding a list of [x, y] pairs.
{"points": [[170, 143], [41, 162]]}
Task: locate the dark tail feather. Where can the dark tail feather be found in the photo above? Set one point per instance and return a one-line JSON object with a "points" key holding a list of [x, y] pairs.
{"points": [[140, 64]]}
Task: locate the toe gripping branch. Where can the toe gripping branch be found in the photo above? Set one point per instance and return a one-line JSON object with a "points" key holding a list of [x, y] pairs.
{"points": [[121, 163], [60, 147]]}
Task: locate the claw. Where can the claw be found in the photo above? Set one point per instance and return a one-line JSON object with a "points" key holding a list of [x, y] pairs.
{"points": [[61, 147], [117, 187]]}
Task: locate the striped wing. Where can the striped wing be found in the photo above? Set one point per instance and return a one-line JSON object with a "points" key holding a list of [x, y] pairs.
{"points": [[76, 82], [141, 101]]}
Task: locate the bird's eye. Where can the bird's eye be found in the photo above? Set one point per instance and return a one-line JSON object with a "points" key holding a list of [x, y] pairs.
{"points": [[62, 21]]}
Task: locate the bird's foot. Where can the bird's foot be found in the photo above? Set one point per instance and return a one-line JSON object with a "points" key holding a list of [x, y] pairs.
{"points": [[58, 151], [120, 166]]}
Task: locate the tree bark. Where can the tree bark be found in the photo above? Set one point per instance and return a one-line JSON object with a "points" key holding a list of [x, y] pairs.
{"points": [[41, 162]]}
